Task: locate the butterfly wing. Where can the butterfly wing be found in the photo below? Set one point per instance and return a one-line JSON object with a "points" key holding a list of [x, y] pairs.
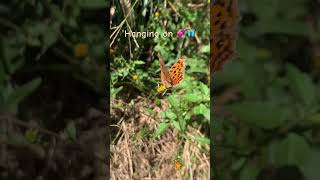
{"points": [[225, 17], [165, 76], [223, 50], [176, 72]]}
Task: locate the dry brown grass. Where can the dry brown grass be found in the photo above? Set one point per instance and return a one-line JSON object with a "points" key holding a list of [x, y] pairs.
{"points": [[143, 158]]}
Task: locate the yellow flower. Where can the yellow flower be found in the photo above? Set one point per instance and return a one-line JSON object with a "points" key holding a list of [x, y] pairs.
{"points": [[81, 50], [263, 53], [135, 77], [31, 135], [161, 88], [157, 14], [178, 164]]}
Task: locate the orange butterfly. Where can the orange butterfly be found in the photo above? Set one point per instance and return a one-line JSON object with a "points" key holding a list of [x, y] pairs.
{"points": [[175, 74], [224, 18]]}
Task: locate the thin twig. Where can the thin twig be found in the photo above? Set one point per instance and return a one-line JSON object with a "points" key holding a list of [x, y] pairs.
{"points": [[65, 56], [174, 9], [134, 39], [195, 5], [121, 24], [129, 31], [10, 24], [41, 130]]}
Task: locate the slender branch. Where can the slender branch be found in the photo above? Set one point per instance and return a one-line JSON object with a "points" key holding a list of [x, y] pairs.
{"points": [[174, 9], [116, 32]]}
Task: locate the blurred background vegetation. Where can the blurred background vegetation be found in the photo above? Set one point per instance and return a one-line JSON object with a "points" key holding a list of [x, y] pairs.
{"points": [[266, 101], [53, 88], [266, 112]]}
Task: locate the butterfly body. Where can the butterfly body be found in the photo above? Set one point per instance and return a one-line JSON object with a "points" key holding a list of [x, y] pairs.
{"points": [[173, 76]]}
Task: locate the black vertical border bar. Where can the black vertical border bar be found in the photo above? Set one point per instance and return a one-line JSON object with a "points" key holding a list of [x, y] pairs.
{"points": [[108, 75], [213, 167]]}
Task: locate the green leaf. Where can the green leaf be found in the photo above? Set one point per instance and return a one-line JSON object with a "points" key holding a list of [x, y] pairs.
{"points": [[253, 87], [71, 130], [139, 62], [176, 124], [205, 49], [202, 110], [249, 172], [115, 91], [168, 114], [231, 136], [158, 102], [314, 118], [262, 115], [141, 134], [311, 165], [202, 140], [217, 128], [31, 135], [301, 85], [283, 26], [174, 101], [35, 28], [162, 128], [205, 89], [21, 92], [57, 13], [293, 150], [238, 164], [150, 111], [191, 97], [33, 41], [50, 37]]}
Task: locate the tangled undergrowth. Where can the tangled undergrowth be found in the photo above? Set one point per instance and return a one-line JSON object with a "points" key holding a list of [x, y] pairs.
{"points": [[136, 157]]}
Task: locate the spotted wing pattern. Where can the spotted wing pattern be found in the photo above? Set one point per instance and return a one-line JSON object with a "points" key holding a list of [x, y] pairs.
{"points": [[224, 18], [175, 74], [176, 71]]}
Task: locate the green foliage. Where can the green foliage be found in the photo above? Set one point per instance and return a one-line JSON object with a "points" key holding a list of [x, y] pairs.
{"points": [[278, 17], [310, 164], [71, 131], [274, 111], [202, 140], [11, 94], [301, 86], [277, 104], [188, 101], [293, 150], [44, 33], [31, 135], [127, 72], [260, 114], [161, 129], [192, 106]]}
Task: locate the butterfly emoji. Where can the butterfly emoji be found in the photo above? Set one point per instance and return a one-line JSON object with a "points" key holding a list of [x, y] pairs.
{"points": [[173, 76]]}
